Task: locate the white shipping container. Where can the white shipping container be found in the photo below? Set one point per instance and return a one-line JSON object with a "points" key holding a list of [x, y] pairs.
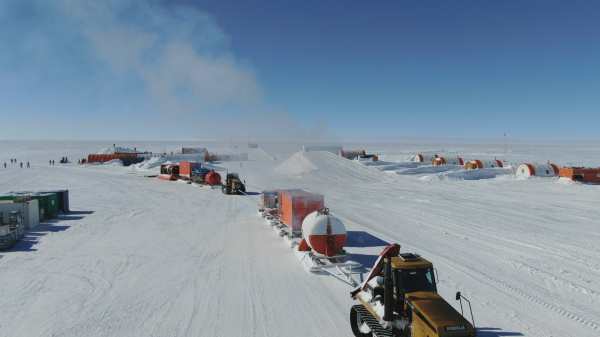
{"points": [[29, 210], [32, 214]]}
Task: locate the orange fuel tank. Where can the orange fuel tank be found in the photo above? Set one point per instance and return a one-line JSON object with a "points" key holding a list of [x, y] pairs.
{"points": [[212, 178]]}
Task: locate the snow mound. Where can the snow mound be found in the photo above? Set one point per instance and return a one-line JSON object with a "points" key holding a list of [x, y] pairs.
{"points": [[398, 157], [424, 169], [151, 163], [486, 173], [297, 165], [114, 162], [566, 181], [329, 168], [258, 154]]}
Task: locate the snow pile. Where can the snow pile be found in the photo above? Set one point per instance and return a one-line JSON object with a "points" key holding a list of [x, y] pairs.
{"points": [[486, 173], [151, 163], [396, 157], [326, 166], [114, 162], [258, 154], [428, 169], [297, 165]]}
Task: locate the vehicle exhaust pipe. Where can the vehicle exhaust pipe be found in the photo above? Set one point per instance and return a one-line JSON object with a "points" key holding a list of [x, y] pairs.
{"points": [[388, 292]]}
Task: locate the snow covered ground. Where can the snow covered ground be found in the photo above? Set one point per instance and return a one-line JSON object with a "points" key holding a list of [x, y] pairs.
{"points": [[144, 257]]}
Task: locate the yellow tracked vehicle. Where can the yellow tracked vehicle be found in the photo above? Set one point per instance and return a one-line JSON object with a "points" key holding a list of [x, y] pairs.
{"points": [[233, 184], [399, 299]]}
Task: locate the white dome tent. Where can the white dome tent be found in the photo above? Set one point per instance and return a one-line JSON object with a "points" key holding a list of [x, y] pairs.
{"points": [[527, 170], [438, 161], [424, 157], [480, 164]]}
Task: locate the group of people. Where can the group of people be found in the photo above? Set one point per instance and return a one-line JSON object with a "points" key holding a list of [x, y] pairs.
{"points": [[51, 162], [14, 161]]}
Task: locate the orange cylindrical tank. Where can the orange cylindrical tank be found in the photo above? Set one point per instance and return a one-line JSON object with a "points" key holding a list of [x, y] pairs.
{"points": [[324, 233], [295, 205], [212, 178]]}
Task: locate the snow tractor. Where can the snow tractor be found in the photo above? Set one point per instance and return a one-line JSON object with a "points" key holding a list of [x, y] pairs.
{"points": [[233, 184], [399, 299]]}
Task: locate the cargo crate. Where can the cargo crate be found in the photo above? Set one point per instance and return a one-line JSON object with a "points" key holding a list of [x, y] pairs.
{"points": [[295, 205]]}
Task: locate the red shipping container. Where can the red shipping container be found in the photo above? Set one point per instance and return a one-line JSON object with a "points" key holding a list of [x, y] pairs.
{"points": [[295, 205]]}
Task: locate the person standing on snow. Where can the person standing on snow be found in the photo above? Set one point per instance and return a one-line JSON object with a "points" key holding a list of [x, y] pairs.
{"points": [[28, 166], [21, 163], [4, 164]]}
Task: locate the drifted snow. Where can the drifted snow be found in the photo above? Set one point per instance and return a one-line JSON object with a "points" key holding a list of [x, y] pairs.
{"points": [[150, 163], [297, 165], [145, 257]]}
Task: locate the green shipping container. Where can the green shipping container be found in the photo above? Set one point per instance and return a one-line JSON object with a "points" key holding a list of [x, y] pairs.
{"points": [[10, 197], [48, 203], [53, 204], [63, 199]]}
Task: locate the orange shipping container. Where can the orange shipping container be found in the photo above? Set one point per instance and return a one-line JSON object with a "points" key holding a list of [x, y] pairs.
{"points": [[295, 205], [186, 168], [583, 174]]}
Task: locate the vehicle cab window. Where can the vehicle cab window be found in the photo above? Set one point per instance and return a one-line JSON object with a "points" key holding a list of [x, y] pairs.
{"points": [[417, 280]]}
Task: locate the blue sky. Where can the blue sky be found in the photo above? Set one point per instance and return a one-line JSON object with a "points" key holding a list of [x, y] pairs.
{"points": [[331, 69]]}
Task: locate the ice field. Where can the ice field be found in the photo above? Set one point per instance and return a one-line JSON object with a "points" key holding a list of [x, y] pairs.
{"points": [[143, 257]]}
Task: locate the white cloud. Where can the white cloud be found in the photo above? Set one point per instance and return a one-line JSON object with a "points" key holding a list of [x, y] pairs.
{"points": [[168, 66], [179, 55]]}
